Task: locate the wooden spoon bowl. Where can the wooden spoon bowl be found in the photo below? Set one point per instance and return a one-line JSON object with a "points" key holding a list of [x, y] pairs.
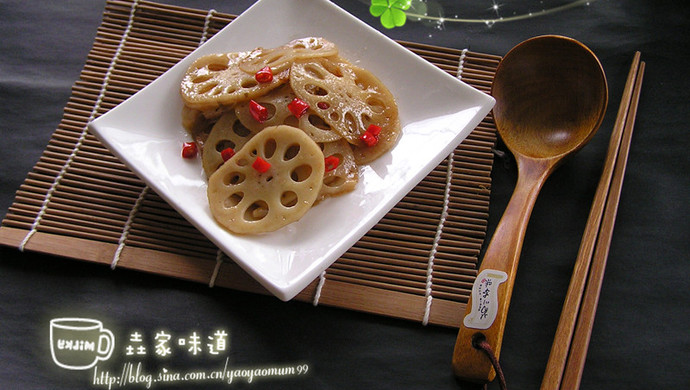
{"points": [[551, 97]]}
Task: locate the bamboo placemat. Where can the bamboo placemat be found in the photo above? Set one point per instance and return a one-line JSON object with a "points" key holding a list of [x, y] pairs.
{"points": [[81, 202]]}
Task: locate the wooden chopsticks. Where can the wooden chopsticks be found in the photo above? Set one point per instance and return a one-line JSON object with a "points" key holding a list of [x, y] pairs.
{"points": [[566, 360]]}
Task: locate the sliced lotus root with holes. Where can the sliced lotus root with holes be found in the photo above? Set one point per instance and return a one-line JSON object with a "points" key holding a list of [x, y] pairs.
{"points": [[228, 132], [319, 130], [345, 176], [246, 201], [281, 57], [276, 102], [214, 82], [349, 99]]}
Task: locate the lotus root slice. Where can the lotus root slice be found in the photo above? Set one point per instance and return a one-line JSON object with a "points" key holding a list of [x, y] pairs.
{"points": [[245, 201]]}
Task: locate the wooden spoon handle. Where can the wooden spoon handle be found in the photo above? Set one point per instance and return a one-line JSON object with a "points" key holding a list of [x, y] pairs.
{"points": [[487, 309]]}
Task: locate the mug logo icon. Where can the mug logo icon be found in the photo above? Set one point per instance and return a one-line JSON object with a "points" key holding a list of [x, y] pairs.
{"points": [[79, 343]]}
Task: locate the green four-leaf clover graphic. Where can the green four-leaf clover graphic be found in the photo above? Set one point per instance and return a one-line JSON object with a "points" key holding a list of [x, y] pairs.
{"points": [[391, 11]]}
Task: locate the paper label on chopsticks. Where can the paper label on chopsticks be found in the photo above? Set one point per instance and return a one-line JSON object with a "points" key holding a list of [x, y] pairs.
{"points": [[485, 299]]}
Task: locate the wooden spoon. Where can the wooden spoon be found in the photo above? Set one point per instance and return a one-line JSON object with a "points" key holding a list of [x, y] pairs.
{"points": [[551, 96]]}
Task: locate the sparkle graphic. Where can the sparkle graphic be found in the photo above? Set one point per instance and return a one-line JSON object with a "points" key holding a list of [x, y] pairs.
{"points": [[495, 6], [430, 12]]}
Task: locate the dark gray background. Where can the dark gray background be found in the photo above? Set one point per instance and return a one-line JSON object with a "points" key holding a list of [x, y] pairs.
{"points": [[640, 338]]}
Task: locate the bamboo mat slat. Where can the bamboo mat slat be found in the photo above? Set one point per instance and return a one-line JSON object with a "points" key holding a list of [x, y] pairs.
{"points": [[80, 202]]}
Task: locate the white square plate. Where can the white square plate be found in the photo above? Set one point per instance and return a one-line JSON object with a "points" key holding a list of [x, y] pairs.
{"points": [[437, 111]]}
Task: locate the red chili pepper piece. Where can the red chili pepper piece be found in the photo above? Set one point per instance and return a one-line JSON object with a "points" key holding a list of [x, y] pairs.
{"points": [[189, 150], [227, 153], [332, 162], [261, 165], [265, 75], [374, 129], [298, 107], [371, 136], [259, 112], [369, 139]]}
